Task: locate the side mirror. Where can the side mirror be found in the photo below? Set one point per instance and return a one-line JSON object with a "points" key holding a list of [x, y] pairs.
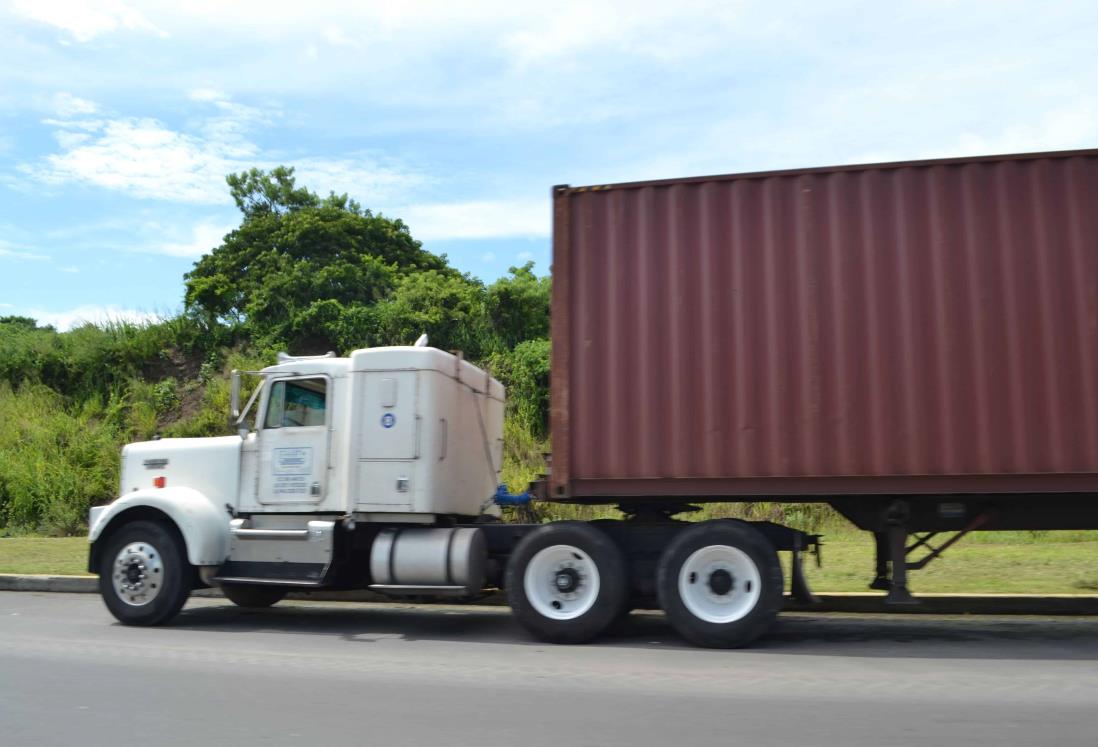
{"points": [[234, 399]]}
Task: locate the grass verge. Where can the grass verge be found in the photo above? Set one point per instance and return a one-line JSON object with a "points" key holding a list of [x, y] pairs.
{"points": [[997, 562], [61, 556]]}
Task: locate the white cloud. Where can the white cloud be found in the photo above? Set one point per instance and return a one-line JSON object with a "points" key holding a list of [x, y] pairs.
{"points": [[86, 19], [70, 269], [70, 140], [369, 179], [67, 105], [146, 158], [525, 256], [205, 235], [1074, 126], [91, 314], [7, 251], [337, 37], [207, 95], [488, 257], [7, 306], [482, 219], [548, 34]]}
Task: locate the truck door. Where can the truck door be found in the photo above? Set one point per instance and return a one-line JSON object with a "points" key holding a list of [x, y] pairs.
{"points": [[294, 441]]}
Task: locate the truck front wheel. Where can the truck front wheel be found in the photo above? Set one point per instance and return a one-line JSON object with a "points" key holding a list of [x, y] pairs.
{"points": [[566, 582], [143, 574], [720, 584]]}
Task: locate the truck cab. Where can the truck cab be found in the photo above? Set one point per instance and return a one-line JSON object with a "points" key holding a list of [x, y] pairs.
{"points": [[392, 437]]}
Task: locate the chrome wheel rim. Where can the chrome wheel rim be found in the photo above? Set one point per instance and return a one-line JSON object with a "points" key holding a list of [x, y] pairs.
{"points": [[719, 584], [561, 582], [137, 574]]}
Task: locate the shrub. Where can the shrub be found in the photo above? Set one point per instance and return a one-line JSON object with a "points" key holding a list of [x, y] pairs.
{"points": [[525, 373], [165, 396]]}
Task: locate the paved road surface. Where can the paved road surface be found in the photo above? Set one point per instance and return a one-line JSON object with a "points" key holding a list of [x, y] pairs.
{"points": [[320, 674]]}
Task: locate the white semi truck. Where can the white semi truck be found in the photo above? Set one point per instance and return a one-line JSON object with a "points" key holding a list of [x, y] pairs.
{"points": [[847, 336], [380, 471]]}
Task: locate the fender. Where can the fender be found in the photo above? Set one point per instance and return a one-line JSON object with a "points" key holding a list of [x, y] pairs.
{"points": [[204, 525]]}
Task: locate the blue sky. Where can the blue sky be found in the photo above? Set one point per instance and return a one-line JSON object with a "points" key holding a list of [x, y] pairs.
{"points": [[119, 120]]}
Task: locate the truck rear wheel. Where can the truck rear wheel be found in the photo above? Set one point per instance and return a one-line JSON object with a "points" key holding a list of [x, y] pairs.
{"points": [[720, 584], [143, 574], [566, 582], [253, 596]]}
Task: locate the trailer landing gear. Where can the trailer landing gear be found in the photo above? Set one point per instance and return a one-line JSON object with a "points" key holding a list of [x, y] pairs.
{"points": [[798, 584], [897, 550], [892, 552]]}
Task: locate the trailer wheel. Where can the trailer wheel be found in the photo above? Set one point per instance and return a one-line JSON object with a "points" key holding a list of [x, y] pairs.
{"points": [[143, 574], [720, 584], [253, 596], [566, 582]]}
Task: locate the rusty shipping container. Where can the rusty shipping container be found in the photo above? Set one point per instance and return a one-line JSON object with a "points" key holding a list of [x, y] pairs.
{"points": [[919, 328]]}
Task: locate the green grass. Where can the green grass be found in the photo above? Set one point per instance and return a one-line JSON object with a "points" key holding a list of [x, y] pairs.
{"points": [[62, 556], [996, 562]]}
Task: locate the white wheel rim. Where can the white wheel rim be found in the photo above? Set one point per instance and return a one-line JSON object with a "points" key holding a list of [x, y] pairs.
{"points": [[719, 584], [561, 582], [137, 574]]}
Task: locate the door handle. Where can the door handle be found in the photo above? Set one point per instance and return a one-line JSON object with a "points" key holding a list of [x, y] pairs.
{"points": [[314, 489]]}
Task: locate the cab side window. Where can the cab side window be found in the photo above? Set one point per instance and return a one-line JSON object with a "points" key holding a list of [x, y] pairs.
{"points": [[297, 403]]}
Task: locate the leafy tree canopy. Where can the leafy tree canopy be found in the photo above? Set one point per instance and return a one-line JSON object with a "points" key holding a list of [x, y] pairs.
{"points": [[449, 308], [258, 192], [24, 322], [313, 274], [518, 306], [298, 262]]}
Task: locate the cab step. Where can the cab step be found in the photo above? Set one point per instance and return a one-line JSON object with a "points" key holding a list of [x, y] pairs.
{"points": [[278, 550], [279, 573]]}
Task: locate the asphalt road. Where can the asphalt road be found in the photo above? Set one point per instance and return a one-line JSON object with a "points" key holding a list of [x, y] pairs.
{"points": [[319, 674]]}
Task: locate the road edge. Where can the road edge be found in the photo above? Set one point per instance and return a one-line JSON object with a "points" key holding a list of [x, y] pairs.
{"points": [[936, 604]]}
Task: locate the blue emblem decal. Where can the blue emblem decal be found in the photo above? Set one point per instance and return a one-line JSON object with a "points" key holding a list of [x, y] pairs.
{"points": [[388, 420]]}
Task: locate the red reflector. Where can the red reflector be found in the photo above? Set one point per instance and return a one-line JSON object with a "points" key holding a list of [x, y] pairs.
{"points": [[159, 482]]}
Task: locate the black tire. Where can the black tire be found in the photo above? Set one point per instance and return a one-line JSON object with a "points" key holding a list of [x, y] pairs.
{"points": [[168, 573], [253, 596], [712, 632], [608, 602]]}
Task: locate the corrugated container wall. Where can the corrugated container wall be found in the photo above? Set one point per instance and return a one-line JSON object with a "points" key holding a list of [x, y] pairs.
{"points": [[925, 327]]}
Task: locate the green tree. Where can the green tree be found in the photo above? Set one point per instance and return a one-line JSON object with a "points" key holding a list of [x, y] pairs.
{"points": [[518, 305], [24, 322], [258, 192], [450, 308], [299, 266]]}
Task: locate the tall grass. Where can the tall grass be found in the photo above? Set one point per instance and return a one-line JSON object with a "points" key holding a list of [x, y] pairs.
{"points": [[55, 460], [69, 401]]}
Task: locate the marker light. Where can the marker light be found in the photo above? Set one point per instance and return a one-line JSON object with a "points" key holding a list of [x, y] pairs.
{"points": [[160, 481]]}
